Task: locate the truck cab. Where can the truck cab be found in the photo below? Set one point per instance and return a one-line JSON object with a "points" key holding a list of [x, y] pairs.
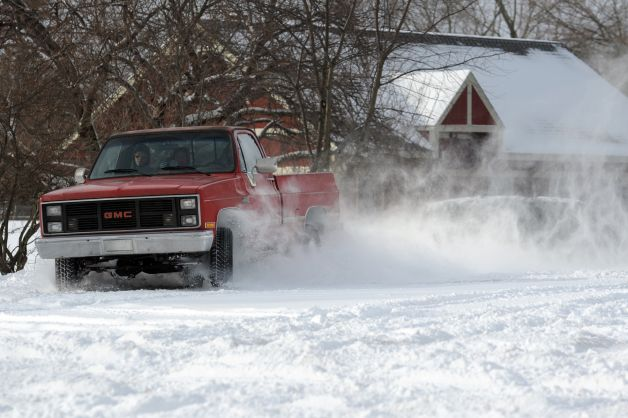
{"points": [[174, 200]]}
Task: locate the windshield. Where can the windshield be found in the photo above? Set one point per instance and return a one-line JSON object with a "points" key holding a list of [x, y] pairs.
{"points": [[165, 153]]}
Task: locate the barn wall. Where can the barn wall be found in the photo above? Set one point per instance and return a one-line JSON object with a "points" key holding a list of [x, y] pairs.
{"points": [[479, 112], [458, 113]]}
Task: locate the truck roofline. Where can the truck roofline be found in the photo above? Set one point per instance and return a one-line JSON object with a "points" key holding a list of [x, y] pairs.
{"points": [[228, 129]]}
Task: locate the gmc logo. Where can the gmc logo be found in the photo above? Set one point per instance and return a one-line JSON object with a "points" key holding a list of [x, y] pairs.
{"points": [[127, 214]]}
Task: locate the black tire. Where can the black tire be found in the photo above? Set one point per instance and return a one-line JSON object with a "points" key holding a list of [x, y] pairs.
{"points": [[67, 273], [315, 223], [221, 257]]}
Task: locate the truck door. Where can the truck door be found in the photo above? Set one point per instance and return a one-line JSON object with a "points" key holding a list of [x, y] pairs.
{"points": [[263, 197]]}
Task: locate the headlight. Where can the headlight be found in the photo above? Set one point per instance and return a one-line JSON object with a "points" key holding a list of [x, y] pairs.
{"points": [[54, 227], [188, 220], [187, 204], [53, 210]]}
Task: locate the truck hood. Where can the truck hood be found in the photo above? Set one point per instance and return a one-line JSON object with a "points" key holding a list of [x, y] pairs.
{"points": [[137, 186]]}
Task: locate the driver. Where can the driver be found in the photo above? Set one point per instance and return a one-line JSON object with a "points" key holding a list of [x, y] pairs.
{"points": [[141, 156]]}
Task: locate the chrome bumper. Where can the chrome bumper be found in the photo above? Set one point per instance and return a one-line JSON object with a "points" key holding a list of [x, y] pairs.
{"points": [[112, 245]]}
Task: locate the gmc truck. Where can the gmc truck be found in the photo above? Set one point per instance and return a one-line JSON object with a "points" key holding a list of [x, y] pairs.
{"points": [[177, 200]]}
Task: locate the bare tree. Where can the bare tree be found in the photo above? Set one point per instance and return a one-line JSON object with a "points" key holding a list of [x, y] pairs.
{"points": [[34, 121], [55, 60], [503, 18], [321, 37], [387, 23], [589, 25]]}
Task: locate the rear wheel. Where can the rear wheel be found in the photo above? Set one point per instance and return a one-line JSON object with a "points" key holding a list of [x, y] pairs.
{"points": [[67, 273], [221, 257], [315, 222], [313, 234]]}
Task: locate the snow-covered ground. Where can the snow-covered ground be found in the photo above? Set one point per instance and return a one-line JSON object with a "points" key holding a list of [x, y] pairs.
{"points": [[386, 319]]}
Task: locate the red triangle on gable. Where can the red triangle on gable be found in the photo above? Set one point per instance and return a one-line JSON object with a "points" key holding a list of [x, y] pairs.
{"points": [[480, 114], [458, 113]]}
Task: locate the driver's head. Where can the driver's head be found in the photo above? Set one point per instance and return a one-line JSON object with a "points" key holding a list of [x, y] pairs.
{"points": [[141, 155]]}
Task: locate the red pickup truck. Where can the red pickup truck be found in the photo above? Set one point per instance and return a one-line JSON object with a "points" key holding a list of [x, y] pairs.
{"points": [[177, 201]]}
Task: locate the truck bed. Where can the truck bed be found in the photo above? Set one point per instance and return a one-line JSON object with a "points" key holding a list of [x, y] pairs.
{"points": [[302, 191]]}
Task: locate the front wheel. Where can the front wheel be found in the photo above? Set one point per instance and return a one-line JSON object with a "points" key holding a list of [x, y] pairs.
{"points": [[67, 273], [221, 257]]}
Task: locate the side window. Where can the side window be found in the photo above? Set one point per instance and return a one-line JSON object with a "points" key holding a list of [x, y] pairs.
{"points": [[250, 152], [242, 162]]}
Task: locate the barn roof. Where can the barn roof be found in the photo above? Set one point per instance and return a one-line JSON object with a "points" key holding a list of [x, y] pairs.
{"points": [[550, 102], [511, 45], [431, 94]]}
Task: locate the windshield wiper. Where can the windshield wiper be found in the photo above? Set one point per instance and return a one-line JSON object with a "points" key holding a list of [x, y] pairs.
{"points": [[121, 170], [183, 167], [127, 170]]}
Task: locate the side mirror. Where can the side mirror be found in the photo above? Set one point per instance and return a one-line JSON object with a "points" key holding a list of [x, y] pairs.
{"points": [[80, 174], [266, 165]]}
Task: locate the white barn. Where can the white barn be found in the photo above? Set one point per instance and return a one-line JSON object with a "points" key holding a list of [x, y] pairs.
{"points": [[539, 106]]}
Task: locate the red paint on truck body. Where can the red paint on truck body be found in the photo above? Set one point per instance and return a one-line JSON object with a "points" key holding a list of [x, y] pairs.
{"points": [[275, 198]]}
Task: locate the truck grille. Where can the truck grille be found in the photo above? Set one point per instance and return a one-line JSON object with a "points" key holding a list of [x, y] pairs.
{"points": [[122, 214]]}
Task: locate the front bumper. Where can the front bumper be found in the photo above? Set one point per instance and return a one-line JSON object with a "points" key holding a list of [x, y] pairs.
{"points": [[132, 244]]}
